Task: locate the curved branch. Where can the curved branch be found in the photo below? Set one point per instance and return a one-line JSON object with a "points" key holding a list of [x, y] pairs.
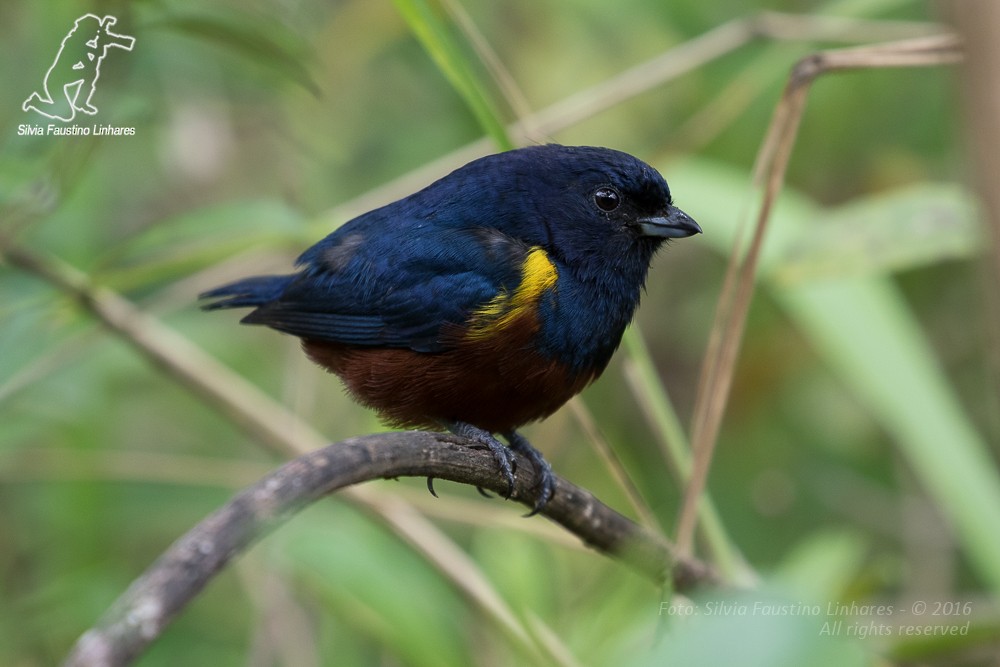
{"points": [[144, 610]]}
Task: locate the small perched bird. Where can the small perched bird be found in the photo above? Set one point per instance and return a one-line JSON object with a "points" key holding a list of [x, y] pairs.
{"points": [[484, 301]]}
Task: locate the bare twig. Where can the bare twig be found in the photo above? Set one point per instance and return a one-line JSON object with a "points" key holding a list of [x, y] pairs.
{"points": [[769, 171], [798, 27], [141, 614]]}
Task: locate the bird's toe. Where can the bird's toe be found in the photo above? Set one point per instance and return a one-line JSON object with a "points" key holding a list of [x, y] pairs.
{"points": [[545, 478], [505, 458]]}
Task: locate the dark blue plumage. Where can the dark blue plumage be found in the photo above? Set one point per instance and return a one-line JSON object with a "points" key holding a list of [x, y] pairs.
{"points": [[487, 299]]}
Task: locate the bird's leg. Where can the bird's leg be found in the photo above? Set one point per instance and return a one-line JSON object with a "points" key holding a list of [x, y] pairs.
{"points": [[504, 456], [546, 480]]}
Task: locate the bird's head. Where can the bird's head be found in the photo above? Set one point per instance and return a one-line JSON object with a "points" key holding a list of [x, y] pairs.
{"points": [[595, 209]]}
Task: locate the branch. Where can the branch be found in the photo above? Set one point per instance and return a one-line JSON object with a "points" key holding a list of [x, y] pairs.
{"points": [[142, 613], [272, 425]]}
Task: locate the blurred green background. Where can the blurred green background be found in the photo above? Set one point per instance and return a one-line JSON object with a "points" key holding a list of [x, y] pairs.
{"points": [[857, 459]]}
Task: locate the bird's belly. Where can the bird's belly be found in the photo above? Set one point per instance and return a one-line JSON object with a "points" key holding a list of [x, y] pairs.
{"points": [[497, 382]]}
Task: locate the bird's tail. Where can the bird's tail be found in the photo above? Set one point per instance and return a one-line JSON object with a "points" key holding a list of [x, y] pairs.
{"points": [[245, 293]]}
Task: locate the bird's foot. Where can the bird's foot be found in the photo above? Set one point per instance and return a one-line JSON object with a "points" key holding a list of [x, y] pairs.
{"points": [[546, 479], [506, 461]]}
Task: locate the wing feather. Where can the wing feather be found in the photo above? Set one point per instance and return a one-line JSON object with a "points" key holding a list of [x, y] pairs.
{"points": [[382, 292]]}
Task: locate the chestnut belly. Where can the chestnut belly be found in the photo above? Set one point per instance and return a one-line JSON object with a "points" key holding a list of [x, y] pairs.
{"points": [[495, 385]]}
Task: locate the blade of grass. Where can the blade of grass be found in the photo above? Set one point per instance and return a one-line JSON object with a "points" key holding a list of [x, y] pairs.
{"points": [[435, 37], [512, 93], [863, 328]]}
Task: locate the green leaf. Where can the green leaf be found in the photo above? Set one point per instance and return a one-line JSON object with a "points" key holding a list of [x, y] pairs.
{"points": [[921, 224], [821, 567], [863, 329], [268, 45], [199, 238], [764, 628], [377, 587]]}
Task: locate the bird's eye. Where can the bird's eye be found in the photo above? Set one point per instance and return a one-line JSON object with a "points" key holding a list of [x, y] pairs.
{"points": [[607, 199]]}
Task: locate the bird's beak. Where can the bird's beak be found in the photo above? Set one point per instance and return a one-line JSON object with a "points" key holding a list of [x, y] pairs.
{"points": [[676, 224]]}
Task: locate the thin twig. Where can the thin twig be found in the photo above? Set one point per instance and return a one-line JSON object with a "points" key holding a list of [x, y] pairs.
{"points": [[769, 171], [284, 631], [141, 614], [798, 27]]}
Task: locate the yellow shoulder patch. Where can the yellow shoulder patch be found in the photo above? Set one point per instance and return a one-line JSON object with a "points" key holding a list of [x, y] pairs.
{"points": [[538, 274]]}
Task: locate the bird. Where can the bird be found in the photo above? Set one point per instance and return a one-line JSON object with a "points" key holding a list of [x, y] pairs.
{"points": [[484, 301]]}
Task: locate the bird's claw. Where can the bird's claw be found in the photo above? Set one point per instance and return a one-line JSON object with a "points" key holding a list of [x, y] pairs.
{"points": [[505, 458], [546, 479], [505, 461]]}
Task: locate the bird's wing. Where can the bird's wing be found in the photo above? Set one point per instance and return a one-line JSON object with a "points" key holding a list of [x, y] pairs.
{"points": [[363, 286]]}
